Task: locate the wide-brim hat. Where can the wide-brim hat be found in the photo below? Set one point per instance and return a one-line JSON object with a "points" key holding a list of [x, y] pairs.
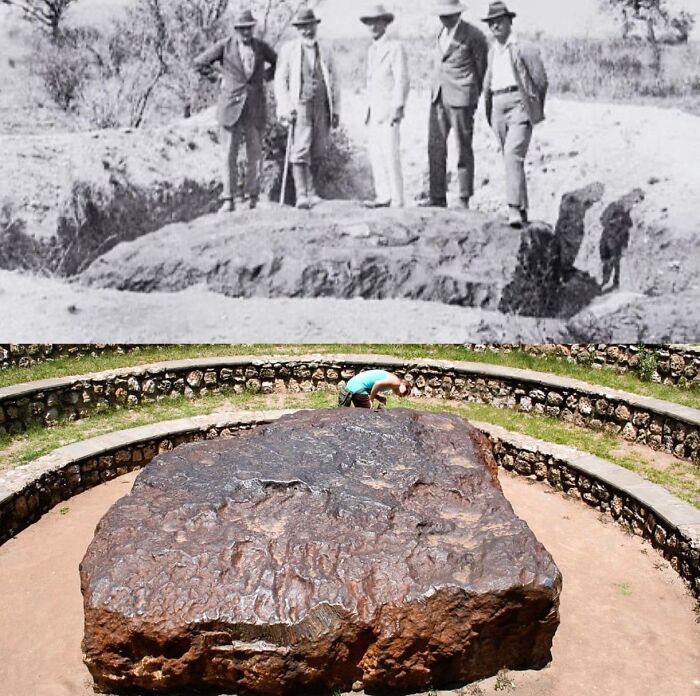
{"points": [[448, 7], [305, 16], [244, 19], [496, 10], [374, 12]]}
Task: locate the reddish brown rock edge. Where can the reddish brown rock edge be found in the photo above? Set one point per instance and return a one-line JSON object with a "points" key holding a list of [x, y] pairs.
{"points": [[329, 548]]}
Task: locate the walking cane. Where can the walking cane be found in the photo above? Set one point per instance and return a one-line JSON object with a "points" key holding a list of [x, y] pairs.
{"points": [[287, 156]]}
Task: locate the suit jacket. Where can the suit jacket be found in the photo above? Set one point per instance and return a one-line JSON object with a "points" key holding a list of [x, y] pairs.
{"points": [[459, 72], [530, 76], [388, 83], [237, 88], [288, 78]]}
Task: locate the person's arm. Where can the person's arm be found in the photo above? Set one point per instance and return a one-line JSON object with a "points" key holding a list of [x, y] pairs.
{"points": [[392, 382], [538, 73], [480, 51], [282, 76], [335, 87], [402, 83], [204, 62], [270, 57]]}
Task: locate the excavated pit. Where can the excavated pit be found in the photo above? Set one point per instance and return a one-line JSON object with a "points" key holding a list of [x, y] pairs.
{"points": [[343, 251]]}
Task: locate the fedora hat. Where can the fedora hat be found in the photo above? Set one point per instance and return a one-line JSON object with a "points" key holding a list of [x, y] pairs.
{"points": [[448, 7], [498, 9], [244, 19], [305, 15], [377, 11]]}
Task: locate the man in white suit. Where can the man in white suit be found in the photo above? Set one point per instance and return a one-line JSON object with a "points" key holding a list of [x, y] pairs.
{"points": [[308, 100], [388, 86]]}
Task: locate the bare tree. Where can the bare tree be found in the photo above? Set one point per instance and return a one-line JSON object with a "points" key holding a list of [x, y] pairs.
{"points": [[47, 14], [655, 14]]}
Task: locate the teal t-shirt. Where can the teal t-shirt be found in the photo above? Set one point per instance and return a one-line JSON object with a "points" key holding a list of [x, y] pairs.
{"points": [[363, 383]]}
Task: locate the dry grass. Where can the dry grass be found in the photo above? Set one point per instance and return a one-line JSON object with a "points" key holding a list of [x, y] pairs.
{"points": [[580, 68]]}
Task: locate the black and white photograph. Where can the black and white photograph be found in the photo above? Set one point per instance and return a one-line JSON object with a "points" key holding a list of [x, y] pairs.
{"points": [[209, 171]]}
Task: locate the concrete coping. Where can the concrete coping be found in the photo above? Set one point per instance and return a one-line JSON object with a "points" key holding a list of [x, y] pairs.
{"points": [[681, 413], [676, 513]]}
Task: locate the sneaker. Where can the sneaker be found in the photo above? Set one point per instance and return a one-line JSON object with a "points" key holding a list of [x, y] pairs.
{"points": [[253, 202], [303, 203], [462, 203], [376, 204]]}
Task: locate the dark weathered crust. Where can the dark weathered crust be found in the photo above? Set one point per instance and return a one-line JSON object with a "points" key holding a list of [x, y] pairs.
{"points": [[328, 548]]}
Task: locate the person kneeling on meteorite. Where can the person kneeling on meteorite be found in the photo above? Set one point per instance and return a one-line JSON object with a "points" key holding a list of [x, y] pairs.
{"points": [[365, 388]]}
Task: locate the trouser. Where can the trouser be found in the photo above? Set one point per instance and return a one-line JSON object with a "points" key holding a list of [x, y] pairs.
{"points": [[247, 128], [311, 131], [512, 126], [385, 156], [443, 119], [346, 399]]}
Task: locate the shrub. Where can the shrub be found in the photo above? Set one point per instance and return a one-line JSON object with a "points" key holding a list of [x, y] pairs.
{"points": [[646, 364], [63, 72]]}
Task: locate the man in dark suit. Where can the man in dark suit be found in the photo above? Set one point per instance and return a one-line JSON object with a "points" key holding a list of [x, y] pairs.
{"points": [[241, 106], [515, 89], [462, 52]]}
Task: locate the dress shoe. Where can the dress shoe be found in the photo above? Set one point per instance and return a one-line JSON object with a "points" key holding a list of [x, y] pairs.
{"points": [[228, 206], [514, 218], [433, 203], [376, 204]]}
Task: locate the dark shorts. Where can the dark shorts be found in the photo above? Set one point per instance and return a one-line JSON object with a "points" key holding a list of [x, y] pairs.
{"points": [[346, 399]]}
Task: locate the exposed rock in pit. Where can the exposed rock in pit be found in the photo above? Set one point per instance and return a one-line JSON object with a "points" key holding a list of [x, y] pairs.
{"points": [[327, 549], [339, 250]]}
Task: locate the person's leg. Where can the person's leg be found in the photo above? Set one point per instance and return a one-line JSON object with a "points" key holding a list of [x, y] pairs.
{"points": [[301, 153], [500, 122], [361, 401], [462, 120], [517, 143], [438, 133], [382, 190], [381, 400], [395, 170], [253, 141], [231, 137], [320, 142]]}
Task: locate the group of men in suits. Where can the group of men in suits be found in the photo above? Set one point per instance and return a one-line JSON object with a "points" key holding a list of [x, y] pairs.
{"points": [[511, 75]]}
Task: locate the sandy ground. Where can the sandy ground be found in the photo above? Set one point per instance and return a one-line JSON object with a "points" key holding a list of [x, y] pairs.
{"points": [[42, 310], [627, 627]]}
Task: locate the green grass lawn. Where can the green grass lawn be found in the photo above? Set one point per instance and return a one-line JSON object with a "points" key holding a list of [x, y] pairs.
{"points": [[680, 478], [148, 354]]}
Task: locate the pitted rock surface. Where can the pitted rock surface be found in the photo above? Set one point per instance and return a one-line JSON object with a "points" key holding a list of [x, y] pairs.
{"points": [[328, 548], [337, 250]]}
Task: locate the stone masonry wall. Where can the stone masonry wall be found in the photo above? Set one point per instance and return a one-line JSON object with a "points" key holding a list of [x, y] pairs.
{"points": [[62, 400], [41, 494], [682, 554], [26, 355], [677, 365]]}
